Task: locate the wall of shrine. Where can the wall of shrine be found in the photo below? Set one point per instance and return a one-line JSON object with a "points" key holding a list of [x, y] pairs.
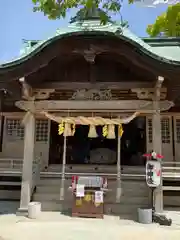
{"points": [[13, 137]]}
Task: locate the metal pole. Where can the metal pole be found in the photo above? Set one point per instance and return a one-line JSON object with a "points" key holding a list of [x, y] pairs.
{"points": [[157, 147], [118, 188], [63, 167]]}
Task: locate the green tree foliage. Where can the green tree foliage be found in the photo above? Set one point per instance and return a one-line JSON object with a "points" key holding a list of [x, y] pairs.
{"points": [[55, 9], [167, 24]]}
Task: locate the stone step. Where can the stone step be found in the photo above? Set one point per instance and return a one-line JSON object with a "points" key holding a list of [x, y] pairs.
{"points": [[56, 206], [173, 201], [130, 192], [8, 207], [111, 183], [123, 208], [3, 183], [95, 169], [51, 182], [169, 201], [134, 194], [109, 198], [112, 209], [10, 194]]}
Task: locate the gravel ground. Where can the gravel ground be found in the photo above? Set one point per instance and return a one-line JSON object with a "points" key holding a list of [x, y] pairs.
{"points": [[55, 226]]}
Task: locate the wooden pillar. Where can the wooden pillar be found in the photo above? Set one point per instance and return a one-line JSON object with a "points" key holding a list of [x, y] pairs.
{"points": [[63, 165], [157, 142], [118, 189], [1, 119], [26, 184]]}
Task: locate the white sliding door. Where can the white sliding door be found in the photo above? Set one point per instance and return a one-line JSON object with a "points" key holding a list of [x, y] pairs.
{"points": [[149, 134], [166, 134], [42, 140], [177, 137]]}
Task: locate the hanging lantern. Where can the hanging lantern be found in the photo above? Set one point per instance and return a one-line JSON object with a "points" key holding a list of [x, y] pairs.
{"points": [[61, 128], [92, 132], [120, 130], [111, 132], [73, 129], [67, 130], [105, 131]]}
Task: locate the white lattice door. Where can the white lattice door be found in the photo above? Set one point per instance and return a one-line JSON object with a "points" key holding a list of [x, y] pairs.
{"points": [[166, 135], [149, 134], [13, 142], [177, 137], [42, 140]]}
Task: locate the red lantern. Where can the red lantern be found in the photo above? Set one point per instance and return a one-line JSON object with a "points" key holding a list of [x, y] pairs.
{"points": [[149, 155]]}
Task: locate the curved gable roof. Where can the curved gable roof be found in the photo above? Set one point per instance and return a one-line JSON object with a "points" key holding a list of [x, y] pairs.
{"points": [[94, 26]]}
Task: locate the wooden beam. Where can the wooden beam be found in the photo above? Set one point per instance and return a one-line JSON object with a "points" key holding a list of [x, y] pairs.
{"points": [[97, 85], [27, 92], [157, 92], [119, 105]]}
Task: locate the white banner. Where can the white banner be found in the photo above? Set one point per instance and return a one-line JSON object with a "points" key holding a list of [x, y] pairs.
{"points": [[80, 190], [98, 196]]}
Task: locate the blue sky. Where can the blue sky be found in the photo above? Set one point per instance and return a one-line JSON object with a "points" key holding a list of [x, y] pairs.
{"points": [[17, 22]]}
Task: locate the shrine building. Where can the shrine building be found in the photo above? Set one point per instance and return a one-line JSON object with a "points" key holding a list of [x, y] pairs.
{"points": [[90, 100]]}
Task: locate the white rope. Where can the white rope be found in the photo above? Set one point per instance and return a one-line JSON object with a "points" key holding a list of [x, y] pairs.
{"points": [[81, 120]]}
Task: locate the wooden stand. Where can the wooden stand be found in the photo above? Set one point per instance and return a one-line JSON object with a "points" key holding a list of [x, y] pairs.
{"points": [[86, 206]]}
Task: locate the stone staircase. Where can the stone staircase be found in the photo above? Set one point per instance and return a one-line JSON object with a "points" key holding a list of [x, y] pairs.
{"points": [[10, 188], [48, 193], [134, 194]]}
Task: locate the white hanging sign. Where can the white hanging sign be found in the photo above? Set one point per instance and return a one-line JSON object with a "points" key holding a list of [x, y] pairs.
{"points": [[91, 181], [153, 173], [80, 190], [98, 196]]}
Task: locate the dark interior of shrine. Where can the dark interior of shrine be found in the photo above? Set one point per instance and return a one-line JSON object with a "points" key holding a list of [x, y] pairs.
{"points": [[100, 150]]}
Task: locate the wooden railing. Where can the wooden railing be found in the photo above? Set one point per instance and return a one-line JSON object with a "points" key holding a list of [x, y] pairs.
{"points": [[170, 170], [14, 164], [11, 163]]}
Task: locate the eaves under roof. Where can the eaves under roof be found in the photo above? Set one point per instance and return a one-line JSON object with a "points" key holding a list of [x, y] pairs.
{"points": [[166, 50]]}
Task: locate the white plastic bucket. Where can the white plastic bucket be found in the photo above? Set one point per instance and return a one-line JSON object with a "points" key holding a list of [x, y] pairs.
{"points": [[145, 215], [34, 210]]}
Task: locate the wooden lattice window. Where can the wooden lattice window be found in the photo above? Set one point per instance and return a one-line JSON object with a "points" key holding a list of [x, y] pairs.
{"points": [[178, 130], [165, 130], [41, 130], [14, 129], [149, 123]]}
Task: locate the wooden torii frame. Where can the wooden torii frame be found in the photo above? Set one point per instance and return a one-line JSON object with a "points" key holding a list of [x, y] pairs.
{"points": [[122, 106], [123, 120]]}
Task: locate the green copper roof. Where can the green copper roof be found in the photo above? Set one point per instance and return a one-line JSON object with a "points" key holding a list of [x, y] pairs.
{"points": [[92, 13], [168, 54]]}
